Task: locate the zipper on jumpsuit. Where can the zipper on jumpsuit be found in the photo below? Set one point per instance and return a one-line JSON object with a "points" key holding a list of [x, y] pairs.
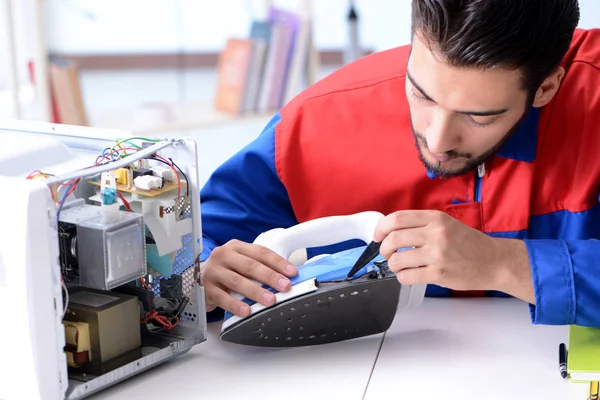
{"points": [[478, 177]]}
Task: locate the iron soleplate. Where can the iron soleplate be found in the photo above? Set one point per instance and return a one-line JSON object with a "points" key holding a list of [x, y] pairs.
{"points": [[335, 312]]}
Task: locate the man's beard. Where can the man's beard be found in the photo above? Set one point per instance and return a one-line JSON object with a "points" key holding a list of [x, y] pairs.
{"points": [[471, 162]]}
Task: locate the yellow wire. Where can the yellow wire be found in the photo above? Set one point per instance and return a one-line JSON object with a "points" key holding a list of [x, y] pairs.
{"points": [[54, 187]]}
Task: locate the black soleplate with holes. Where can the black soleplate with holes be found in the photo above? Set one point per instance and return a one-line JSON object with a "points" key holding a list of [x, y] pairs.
{"points": [[335, 312]]}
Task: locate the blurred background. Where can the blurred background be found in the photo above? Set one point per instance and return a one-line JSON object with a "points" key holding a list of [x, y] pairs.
{"points": [[212, 70]]}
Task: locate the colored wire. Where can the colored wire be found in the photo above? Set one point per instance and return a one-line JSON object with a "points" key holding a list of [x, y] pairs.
{"points": [[120, 142], [114, 154], [172, 164], [39, 174], [144, 284], [161, 319], [34, 173], [70, 189], [187, 182], [159, 158], [125, 202]]}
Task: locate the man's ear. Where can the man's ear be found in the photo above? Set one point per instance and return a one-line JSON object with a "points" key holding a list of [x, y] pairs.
{"points": [[549, 87]]}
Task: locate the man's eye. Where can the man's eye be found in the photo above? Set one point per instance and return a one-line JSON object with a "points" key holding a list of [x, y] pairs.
{"points": [[480, 124], [418, 97]]}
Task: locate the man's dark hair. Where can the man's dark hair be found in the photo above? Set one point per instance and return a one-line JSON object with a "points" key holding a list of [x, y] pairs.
{"points": [[531, 35]]}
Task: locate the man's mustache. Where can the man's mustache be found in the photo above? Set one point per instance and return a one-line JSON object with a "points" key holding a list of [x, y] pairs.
{"points": [[450, 153]]}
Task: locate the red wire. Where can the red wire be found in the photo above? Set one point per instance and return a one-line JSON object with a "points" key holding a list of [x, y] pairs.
{"points": [[34, 173], [72, 188], [170, 164], [101, 158], [125, 202], [144, 283], [161, 319]]}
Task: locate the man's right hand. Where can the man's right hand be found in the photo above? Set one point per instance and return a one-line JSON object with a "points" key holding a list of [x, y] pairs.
{"points": [[233, 266]]}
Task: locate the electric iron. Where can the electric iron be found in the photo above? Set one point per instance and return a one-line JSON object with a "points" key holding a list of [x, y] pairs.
{"points": [[323, 305]]}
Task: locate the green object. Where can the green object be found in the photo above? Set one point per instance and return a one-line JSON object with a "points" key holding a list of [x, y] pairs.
{"points": [[161, 264], [583, 357]]}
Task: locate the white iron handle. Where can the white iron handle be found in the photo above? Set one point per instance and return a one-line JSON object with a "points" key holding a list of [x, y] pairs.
{"points": [[320, 232]]}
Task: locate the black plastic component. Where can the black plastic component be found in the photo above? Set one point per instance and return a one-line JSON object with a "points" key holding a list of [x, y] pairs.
{"points": [[141, 172], [146, 297], [337, 311], [172, 288], [67, 242], [166, 307]]}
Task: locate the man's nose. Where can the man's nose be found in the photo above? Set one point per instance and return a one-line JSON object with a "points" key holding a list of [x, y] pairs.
{"points": [[440, 136]]}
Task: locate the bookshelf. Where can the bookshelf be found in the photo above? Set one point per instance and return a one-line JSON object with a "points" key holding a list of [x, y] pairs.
{"points": [[52, 91], [243, 93], [277, 60]]}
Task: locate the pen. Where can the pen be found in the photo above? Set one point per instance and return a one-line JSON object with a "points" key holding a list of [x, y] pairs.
{"points": [[593, 393], [562, 360]]}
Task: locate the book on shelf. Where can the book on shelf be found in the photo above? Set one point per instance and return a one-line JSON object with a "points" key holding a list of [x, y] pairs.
{"points": [[264, 71], [66, 95], [232, 75]]}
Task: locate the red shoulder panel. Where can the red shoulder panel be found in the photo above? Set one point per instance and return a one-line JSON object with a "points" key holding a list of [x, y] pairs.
{"points": [[345, 145], [568, 162]]}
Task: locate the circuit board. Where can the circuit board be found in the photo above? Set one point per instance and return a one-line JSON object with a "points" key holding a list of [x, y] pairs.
{"points": [[168, 187]]}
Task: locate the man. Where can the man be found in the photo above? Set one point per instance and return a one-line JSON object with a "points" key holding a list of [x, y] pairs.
{"points": [[479, 142]]}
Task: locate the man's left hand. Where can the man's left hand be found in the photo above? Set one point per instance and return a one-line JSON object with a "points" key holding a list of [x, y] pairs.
{"points": [[450, 254]]}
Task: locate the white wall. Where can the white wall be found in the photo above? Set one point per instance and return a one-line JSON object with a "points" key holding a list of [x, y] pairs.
{"points": [[113, 26], [23, 35], [590, 14], [129, 26]]}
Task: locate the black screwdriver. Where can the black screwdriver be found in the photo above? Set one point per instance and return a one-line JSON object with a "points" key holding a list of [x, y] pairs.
{"points": [[370, 253]]}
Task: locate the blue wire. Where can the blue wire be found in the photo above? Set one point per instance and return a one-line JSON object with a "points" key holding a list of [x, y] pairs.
{"points": [[62, 201], [114, 155]]}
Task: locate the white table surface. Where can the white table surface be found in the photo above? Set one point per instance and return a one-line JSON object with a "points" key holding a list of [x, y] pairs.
{"points": [[446, 348], [471, 349], [221, 370]]}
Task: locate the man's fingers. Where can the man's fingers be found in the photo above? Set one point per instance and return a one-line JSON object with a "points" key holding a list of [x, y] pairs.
{"points": [[210, 305], [244, 268], [269, 258], [414, 276], [402, 239], [228, 303], [235, 282], [251, 268], [402, 220], [413, 267], [412, 258]]}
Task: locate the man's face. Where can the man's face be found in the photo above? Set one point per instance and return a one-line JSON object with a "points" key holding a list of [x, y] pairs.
{"points": [[460, 116]]}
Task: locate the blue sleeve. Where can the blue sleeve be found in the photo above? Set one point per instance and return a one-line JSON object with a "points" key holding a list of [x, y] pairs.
{"points": [[244, 196], [566, 281]]}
